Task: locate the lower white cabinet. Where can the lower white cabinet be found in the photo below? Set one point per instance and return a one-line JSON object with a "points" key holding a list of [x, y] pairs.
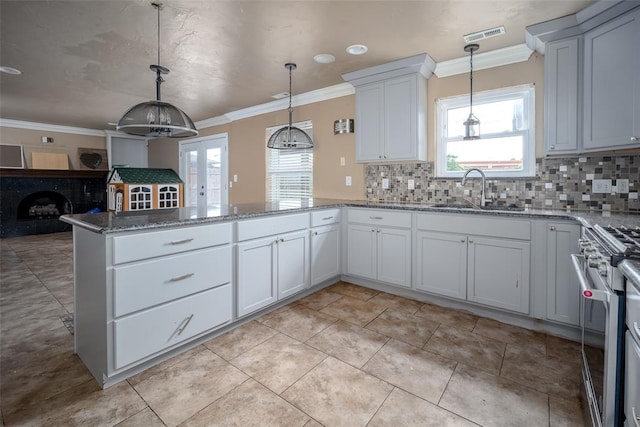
{"points": [[270, 269], [325, 253], [379, 253], [563, 289], [442, 263]]}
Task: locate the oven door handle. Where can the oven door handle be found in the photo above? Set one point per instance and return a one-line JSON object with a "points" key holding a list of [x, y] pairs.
{"points": [[585, 289]]}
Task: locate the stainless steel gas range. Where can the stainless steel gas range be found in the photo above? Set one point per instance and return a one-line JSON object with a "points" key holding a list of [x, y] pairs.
{"points": [[600, 270]]}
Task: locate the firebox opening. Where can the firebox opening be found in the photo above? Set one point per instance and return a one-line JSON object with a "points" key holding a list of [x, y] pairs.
{"points": [[44, 205]]}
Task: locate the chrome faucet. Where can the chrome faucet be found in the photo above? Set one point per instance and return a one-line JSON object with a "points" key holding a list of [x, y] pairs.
{"points": [[482, 191]]}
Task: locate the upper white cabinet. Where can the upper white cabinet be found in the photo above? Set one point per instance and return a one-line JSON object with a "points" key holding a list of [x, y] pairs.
{"points": [[391, 109], [592, 87], [612, 85]]}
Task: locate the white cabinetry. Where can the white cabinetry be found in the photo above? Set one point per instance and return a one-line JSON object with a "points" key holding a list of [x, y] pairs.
{"points": [[273, 267], [325, 245], [379, 245], [563, 290], [391, 110], [486, 260], [612, 85], [141, 294]]}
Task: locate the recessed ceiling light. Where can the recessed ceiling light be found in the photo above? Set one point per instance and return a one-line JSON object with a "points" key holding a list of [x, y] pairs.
{"points": [[324, 58], [10, 70], [357, 49]]}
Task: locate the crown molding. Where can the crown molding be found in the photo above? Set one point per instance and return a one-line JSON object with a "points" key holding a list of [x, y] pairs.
{"points": [[421, 63], [19, 124], [484, 60], [335, 91]]}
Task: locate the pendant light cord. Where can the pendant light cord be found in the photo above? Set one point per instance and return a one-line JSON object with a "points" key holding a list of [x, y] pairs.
{"points": [[290, 107], [471, 83]]}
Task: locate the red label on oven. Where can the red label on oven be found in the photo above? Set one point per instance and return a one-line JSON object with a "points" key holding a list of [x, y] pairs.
{"points": [[587, 294]]}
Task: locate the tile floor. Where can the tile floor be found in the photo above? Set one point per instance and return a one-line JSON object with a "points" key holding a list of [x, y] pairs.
{"points": [[345, 355]]}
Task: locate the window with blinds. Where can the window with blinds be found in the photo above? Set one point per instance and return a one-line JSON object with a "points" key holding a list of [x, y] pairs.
{"points": [[290, 172]]}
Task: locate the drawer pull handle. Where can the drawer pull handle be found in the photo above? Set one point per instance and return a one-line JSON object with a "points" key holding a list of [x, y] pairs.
{"points": [[188, 319], [178, 242], [184, 276], [376, 217], [327, 218]]}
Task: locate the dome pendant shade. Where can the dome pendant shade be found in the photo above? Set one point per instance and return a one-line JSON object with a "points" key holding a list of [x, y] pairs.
{"points": [[157, 119], [472, 124], [290, 137]]}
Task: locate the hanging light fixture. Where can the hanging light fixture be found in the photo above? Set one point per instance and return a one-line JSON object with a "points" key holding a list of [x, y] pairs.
{"points": [[290, 137], [157, 119], [472, 124]]}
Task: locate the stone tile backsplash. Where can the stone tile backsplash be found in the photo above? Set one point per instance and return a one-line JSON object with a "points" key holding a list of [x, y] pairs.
{"points": [[609, 183]]}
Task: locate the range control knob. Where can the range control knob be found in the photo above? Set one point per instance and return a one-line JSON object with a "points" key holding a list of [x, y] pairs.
{"points": [[590, 251], [595, 260]]}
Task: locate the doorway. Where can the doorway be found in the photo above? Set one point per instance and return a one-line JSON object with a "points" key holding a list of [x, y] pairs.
{"points": [[204, 170]]}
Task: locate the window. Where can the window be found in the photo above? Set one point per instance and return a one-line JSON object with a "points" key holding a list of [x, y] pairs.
{"points": [[168, 196], [290, 172], [139, 197], [506, 147]]}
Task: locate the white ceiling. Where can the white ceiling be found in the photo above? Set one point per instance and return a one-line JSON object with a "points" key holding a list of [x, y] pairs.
{"points": [[85, 62]]}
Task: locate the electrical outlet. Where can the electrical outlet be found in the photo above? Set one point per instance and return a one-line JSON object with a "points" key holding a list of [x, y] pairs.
{"points": [[342, 161], [347, 181], [601, 186], [385, 183], [411, 184], [235, 178]]}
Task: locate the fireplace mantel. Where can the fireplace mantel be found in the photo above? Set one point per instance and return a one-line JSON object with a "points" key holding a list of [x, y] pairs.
{"points": [[51, 173]]}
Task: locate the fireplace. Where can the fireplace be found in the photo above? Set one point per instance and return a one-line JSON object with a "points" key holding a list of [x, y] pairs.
{"points": [[32, 200]]}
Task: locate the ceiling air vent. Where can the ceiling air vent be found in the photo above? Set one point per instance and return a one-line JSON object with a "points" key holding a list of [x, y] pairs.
{"points": [[484, 34]]}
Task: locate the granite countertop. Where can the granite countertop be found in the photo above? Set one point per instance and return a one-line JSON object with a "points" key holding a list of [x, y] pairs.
{"points": [[107, 222]]}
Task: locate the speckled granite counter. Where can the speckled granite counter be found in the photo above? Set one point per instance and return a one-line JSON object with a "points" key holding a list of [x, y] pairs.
{"points": [[130, 221]]}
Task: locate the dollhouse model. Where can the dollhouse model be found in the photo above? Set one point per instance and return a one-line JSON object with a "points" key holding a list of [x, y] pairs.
{"points": [[137, 189]]}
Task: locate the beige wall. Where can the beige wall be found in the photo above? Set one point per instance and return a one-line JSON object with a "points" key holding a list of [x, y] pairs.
{"points": [[63, 143], [247, 149], [247, 136]]}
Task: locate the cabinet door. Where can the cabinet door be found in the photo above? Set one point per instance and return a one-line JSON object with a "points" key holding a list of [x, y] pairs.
{"points": [[394, 256], [561, 96], [370, 122], [361, 251], [442, 263], [563, 290], [611, 107], [400, 117], [256, 275], [498, 273], [325, 253], [292, 260]]}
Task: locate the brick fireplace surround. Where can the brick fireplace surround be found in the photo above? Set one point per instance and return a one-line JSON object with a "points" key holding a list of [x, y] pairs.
{"points": [[31, 200]]}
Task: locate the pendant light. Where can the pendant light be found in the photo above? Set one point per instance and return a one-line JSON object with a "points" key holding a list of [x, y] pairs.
{"points": [[157, 119], [472, 124], [290, 137]]}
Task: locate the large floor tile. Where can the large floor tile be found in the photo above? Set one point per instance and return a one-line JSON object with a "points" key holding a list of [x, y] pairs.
{"points": [[354, 310], [157, 369], [83, 405], [549, 375], [396, 302], [406, 410], [447, 316], [300, 322], [144, 418], [278, 362], [494, 401], [564, 349], [183, 389], [566, 413], [348, 342], [417, 371], [250, 404], [353, 291], [403, 326], [509, 334], [320, 299], [240, 340], [466, 347], [337, 394]]}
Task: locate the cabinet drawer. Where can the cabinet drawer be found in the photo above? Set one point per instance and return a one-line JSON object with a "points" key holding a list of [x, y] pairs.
{"points": [[476, 224], [380, 217], [157, 243], [269, 226], [145, 284], [324, 217], [149, 332]]}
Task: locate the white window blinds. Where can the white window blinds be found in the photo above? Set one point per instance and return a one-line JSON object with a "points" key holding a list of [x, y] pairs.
{"points": [[290, 172]]}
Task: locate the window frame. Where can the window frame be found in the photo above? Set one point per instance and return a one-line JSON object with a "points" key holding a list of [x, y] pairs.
{"points": [[524, 92], [306, 126]]}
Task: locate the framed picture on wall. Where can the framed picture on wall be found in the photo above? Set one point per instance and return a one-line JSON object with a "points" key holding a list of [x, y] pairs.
{"points": [[11, 156]]}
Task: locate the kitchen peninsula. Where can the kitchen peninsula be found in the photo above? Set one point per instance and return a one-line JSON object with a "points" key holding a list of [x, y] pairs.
{"points": [[149, 285]]}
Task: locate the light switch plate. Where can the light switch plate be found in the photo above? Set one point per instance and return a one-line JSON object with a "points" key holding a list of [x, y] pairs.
{"points": [[411, 184], [347, 181]]}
